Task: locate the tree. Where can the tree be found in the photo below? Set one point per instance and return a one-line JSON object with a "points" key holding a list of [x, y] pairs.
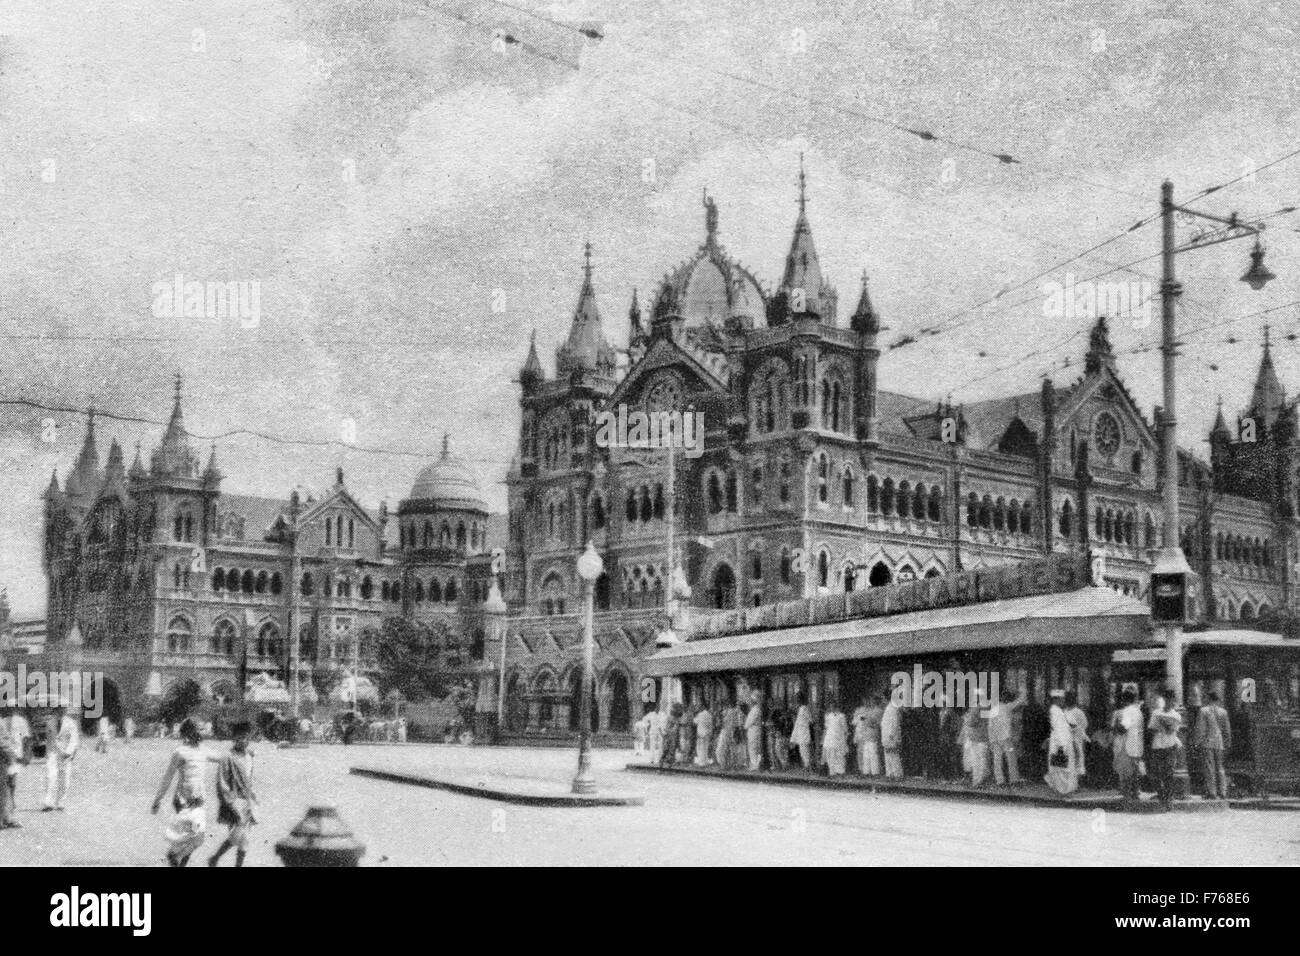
{"points": [[412, 658]]}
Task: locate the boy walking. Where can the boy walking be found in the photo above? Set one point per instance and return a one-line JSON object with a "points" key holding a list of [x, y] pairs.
{"points": [[235, 796]]}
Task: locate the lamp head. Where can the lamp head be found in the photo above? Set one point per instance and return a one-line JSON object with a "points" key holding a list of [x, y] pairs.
{"points": [[1258, 275], [589, 564]]}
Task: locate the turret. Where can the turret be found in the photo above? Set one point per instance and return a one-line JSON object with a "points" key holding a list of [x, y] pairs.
{"points": [[585, 349], [531, 375]]}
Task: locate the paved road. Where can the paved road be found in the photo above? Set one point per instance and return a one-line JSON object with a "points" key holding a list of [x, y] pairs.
{"points": [[684, 821]]}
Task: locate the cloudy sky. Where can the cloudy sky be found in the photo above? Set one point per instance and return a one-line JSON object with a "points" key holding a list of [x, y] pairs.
{"points": [[388, 171]]}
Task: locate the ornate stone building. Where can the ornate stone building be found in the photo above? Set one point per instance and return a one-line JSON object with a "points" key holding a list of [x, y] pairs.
{"points": [[815, 480], [157, 575]]}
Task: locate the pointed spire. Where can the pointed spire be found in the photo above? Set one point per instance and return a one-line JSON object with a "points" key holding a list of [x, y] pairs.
{"points": [[1268, 398], [585, 349], [802, 280], [85, 476], [212, 472], [1220, 424], [52, 489], [137, 466], [532, 372], [173, 457], [115, 470], [636, 331], [865, 319]]}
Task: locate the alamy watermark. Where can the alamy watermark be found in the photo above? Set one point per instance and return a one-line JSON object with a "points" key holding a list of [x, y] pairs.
{"points": [[637, 429], [192, 299], [81, 691], [1086, 299], [922, 688]]}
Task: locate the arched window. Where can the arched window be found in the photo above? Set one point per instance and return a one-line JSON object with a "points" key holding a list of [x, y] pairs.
{"points": [[444, 535], [848, 487], [631, 505], [880, 575], [396, 592], [823, 569], [460, 534], [218, 579], [887, 497], [756, 487], [724, 587], [417, 595], [1026, 519], [180, 636], [873, 494], [826, 403], [385, 593], [435, 591], [756, 565], [1013, 516], [732, 492], [277, 583], [367, 588], [1067, 520], [659, 502], [918, 502], [268, 641], [352, 532], [934, 509], [973, 510], [1000, 514], [647, 506], [850, 578], [597, 512], [449, 593], [307, 586], [986, 512], [329, 532], [261, 583], [785, 481], [1149, 532], [785, 565], [247, 582], [223, 638]]}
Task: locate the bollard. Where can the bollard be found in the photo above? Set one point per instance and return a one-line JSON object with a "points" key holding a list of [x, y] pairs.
{"points": [[321, 838]]}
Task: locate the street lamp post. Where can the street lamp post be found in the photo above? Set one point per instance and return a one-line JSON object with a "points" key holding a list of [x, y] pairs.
{"points": [[590, 567], [1170, 568]]}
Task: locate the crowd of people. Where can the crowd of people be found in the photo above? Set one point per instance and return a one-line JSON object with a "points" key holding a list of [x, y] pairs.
{"points": [[1002, 742]]}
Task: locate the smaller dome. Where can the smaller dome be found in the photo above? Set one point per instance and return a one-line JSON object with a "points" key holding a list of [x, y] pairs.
{"points": [[448, 482]]}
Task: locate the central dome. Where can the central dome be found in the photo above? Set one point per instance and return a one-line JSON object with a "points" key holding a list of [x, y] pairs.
{"points": [[711, 287], [448, 482]]}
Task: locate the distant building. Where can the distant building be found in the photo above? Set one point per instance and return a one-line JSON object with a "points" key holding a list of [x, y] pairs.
{"points": [[170, 578]]}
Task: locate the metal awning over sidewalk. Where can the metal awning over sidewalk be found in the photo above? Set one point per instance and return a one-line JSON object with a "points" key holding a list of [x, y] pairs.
{"points": [[1089, 616]]}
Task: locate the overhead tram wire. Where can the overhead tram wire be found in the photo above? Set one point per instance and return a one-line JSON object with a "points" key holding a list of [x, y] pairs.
{"points": [[933, 330], [1002, 157], [238, 433]]}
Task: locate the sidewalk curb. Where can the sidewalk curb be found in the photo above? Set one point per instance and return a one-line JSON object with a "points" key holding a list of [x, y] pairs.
{"points": [[921, 789], [523, 794]]}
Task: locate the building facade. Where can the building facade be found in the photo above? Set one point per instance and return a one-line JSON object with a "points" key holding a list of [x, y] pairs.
{"points": [[159, 577], [813, 480]]}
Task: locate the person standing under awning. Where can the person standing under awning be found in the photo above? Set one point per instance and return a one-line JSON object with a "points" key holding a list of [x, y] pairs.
{"points": [[1062, 771]]}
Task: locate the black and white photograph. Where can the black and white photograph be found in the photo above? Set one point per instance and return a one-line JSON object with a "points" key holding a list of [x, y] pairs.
{"points": [[628, 433]]}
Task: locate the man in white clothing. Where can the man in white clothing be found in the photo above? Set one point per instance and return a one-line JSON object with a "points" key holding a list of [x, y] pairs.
{"points": [[62, 739]]}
